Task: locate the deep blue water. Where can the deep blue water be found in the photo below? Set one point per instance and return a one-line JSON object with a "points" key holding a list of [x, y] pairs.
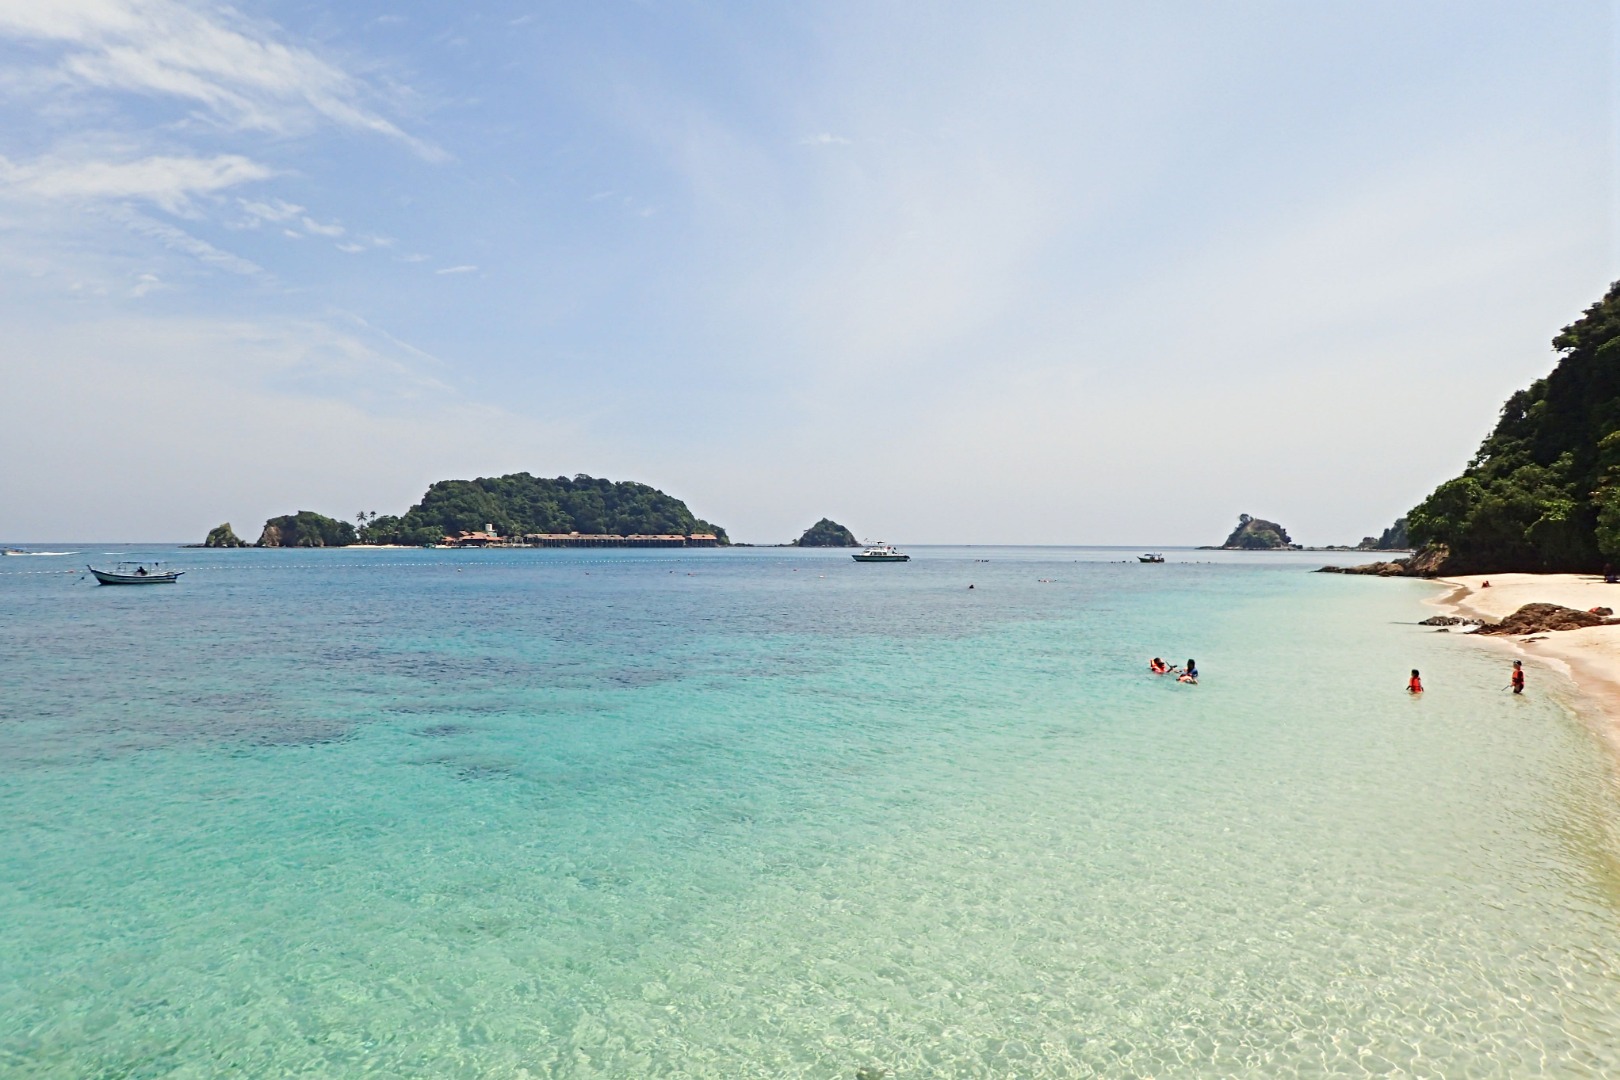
{"points": [[771, 813]]}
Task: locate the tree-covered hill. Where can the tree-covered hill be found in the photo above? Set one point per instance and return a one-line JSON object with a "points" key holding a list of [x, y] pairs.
{"points": [[827, 533], [305, 529], [1543, 493], [1257, 534], [519, 503]]}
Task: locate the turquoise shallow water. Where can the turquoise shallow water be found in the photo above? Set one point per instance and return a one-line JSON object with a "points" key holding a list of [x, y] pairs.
{"points": [[776, 814]]}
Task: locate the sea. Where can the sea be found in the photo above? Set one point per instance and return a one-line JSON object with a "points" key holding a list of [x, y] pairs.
{"points": [[773, 813]]}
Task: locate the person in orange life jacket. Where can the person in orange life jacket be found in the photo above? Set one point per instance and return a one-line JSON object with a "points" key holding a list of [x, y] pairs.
{"points": [[1414, 685], [1518, 676], [1189, 674], [1158, 667]]}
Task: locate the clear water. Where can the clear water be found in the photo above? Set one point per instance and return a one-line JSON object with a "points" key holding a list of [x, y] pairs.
{"points": [[777, 814]]}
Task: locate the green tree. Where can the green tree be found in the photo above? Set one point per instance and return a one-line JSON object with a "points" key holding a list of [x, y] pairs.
{"points": [[1540, 493]]}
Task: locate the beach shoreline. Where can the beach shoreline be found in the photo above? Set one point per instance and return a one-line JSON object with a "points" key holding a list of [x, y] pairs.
{"points": [[1590, 657]]}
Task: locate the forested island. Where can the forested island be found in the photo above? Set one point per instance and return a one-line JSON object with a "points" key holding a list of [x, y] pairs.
{"points": [[827, 533], [514, 505], [306, 529], [1258, 534]]}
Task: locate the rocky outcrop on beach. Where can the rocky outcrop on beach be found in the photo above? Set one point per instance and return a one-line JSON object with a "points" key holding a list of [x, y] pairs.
{"points": [[1430, 562], [1541, 618], [1378, 569], [1257, 534], [222, 536], [827, 533]]}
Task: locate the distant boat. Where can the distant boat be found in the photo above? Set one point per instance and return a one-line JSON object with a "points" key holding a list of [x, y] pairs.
{"points": [[1151, 556], [881, 552], [139, 575], [20, 551]]}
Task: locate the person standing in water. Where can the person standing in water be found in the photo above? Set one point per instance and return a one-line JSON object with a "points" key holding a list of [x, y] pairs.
{"points": [[1518, 676], [1414, 685]]}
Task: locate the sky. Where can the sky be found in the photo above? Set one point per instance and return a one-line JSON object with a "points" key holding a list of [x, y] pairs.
{"points": [[947, 273]]}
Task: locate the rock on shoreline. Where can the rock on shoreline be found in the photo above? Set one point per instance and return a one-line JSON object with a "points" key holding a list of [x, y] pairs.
{"points": [[1541, 618], [1426, 563], [1450, 620]]}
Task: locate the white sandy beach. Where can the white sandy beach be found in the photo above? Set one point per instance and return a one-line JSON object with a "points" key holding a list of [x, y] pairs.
{"points": [[1591, 656]]}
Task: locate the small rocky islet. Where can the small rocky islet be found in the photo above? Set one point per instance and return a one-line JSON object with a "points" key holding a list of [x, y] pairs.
{"points": [[827, 533]]}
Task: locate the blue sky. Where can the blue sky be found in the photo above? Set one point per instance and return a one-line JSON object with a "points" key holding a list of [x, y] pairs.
{"points": [[1048, 273]]}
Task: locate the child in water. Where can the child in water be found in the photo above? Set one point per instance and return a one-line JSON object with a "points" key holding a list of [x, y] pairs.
{"points": [[1158, 667], [1518, 676], [1414, 685], [1189, 674]]}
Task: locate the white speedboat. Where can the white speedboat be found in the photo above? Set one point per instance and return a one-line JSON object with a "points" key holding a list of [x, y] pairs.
{"points": [[1151, 556], [881, 552]]}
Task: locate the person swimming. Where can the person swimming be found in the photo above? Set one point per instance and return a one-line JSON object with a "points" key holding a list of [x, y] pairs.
{"points": [[1189, 674], [1158, 667], [1414, 685]]}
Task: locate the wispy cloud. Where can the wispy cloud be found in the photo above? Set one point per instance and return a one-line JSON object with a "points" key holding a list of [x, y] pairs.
{"points": [[464, 269], [825, 138], [235, 69], [169, 182], [348, 247], [272, 210], [320, 229], [177, 239]]}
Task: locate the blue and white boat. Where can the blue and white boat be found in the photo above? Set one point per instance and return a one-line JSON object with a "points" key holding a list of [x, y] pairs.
{"points": [[137, 573]]}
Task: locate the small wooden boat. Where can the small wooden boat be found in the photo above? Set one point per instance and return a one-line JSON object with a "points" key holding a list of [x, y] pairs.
{"points": [[132, 573], [1151, 556]]}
